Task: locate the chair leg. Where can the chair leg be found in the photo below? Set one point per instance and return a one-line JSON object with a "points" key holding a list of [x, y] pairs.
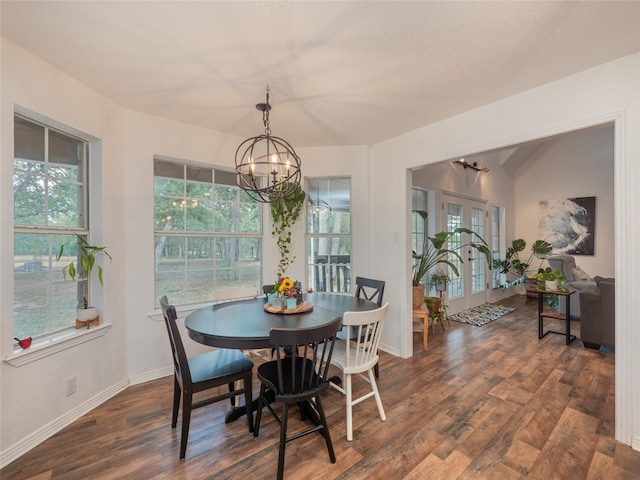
{"points": [[187, 402], [349, 403], [232, 388], [177, 393], [376, 369], [256, 428], [325, 430], [376, 394], [248, 400], [283, 440]]}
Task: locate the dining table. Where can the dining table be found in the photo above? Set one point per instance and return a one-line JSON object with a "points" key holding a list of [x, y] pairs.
{"points": [[246, 324]]}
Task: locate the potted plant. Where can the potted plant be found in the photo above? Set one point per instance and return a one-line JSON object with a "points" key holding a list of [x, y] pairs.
{"points": [[517, 267], [553, 279], [284, 213], [86, 262], [435, 252], [439, 280]]}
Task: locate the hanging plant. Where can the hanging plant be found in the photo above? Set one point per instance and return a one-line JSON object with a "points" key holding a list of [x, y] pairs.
{"points": [[284, 213]]}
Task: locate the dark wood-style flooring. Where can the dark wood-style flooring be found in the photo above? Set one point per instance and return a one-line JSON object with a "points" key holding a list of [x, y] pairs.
{"points": [[490, 402]]}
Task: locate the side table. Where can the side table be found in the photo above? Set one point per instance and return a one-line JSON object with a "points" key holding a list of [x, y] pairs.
{"points": [[567, 317], [423, 313]]}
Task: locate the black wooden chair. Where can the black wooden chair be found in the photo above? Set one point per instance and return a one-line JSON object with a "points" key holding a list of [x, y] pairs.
{"points": [[298, 379], [267, 289], [203, 372], [371, 290]]}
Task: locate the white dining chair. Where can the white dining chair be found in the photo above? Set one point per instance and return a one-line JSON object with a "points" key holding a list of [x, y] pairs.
{"points": [[358, 356]]}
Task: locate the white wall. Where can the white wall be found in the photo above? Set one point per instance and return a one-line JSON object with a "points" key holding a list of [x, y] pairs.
{"points": [[578, 164], [599, 95], [135, 349], [135, 346], [32, 396]]}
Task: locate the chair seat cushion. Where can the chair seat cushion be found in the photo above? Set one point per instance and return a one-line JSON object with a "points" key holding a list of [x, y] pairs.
{"points": [[218, 364]]}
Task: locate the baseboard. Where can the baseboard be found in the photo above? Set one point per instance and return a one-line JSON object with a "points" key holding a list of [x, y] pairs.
{"points": [[635, 443], [36, 438], [148, 376]]}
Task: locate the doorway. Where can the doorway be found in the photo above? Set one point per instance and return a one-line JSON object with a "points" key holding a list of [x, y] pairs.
{"points": [[469, 289]]}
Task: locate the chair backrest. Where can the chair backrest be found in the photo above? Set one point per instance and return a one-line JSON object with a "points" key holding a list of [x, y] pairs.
{"points": [[267, 289], [366, 329], [370, 289], [303, 357], [180, 361]]}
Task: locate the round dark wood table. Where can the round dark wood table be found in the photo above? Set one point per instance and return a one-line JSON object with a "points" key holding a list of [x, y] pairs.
{"points": [[246, 325]]}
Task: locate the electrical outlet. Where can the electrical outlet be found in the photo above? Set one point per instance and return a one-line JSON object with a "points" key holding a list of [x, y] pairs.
{"points": [[71, 386]]}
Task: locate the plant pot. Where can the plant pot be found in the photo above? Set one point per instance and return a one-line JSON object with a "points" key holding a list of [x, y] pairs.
{"points": [[531, 286], [291, 303], [418, 296], [551, 284], [435, 305], [441, 287], [85, 314]]}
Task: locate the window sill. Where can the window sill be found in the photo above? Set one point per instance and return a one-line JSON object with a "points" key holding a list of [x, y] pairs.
{"points": [[55, 344]]}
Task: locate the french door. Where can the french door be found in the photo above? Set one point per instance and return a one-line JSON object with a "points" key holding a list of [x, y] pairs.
{"points": [[470, 288]]}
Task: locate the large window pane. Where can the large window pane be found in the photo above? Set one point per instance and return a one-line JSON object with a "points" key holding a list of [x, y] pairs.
{"points": [[49, 190], [43, 301], [191, 266], [329, 234]]}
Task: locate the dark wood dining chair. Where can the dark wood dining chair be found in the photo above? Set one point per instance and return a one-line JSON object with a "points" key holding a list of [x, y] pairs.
{"points": [[203, 372], [371, 290], [298, 379], [267, 289]]}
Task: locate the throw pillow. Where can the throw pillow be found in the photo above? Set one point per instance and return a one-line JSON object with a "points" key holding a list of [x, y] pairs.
{"points": [[580, 275]]}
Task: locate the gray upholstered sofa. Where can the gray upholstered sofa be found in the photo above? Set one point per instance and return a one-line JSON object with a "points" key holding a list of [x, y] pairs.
{"points": [[575, 279], [598, 320]]}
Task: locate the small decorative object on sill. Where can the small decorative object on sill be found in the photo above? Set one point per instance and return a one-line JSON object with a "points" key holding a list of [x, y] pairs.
{"points": [[24, 343]]}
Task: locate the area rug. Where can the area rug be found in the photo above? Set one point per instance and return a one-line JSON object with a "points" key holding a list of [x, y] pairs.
{"points": [[482, 314]]}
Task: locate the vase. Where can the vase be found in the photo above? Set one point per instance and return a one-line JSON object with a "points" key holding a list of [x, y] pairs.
{"points": [[291, 303], [418, 296], [271, 298], [551, 284]]}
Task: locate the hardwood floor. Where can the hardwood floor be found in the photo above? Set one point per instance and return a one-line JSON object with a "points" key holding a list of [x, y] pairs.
{"points": [[490, 402]]}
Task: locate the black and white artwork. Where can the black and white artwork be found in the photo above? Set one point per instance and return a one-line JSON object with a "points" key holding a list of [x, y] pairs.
{"points": [[568, 224]]}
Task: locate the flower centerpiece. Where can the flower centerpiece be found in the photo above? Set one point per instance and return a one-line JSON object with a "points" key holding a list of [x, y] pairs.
{"points": [[286, 290]]}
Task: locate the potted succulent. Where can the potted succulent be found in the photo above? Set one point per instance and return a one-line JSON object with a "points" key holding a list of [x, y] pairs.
{"points": [[553, 279], [85, 264], [439, 280]]}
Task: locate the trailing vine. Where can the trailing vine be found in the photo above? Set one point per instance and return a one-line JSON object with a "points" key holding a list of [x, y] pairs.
{"points": [[284, 213]]}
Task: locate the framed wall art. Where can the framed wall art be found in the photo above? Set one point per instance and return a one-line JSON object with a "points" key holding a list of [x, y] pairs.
{"points": [[568, 224]]}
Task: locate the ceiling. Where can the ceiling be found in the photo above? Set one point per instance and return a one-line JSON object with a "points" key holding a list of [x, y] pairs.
{"points": [[340, 73]]}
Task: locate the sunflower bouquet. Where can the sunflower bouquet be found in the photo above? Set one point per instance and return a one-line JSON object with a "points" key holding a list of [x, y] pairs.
{"points": [[286, 287]]}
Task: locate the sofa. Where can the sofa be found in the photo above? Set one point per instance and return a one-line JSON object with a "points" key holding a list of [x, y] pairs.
{"points": [[598, 320], [575, 278]]}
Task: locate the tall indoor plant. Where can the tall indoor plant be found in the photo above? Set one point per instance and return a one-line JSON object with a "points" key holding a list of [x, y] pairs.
{"points": [[435, 252], [86, 262], [284, 214], [517, 267]]}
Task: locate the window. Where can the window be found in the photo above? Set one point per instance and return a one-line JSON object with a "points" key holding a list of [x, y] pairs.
{"points": [[498, 249], [50, 191], [419, 216], [329, 234], [208, 235]]}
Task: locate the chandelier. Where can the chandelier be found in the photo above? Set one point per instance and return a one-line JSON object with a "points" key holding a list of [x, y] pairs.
{"points": [[267, 167]]}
